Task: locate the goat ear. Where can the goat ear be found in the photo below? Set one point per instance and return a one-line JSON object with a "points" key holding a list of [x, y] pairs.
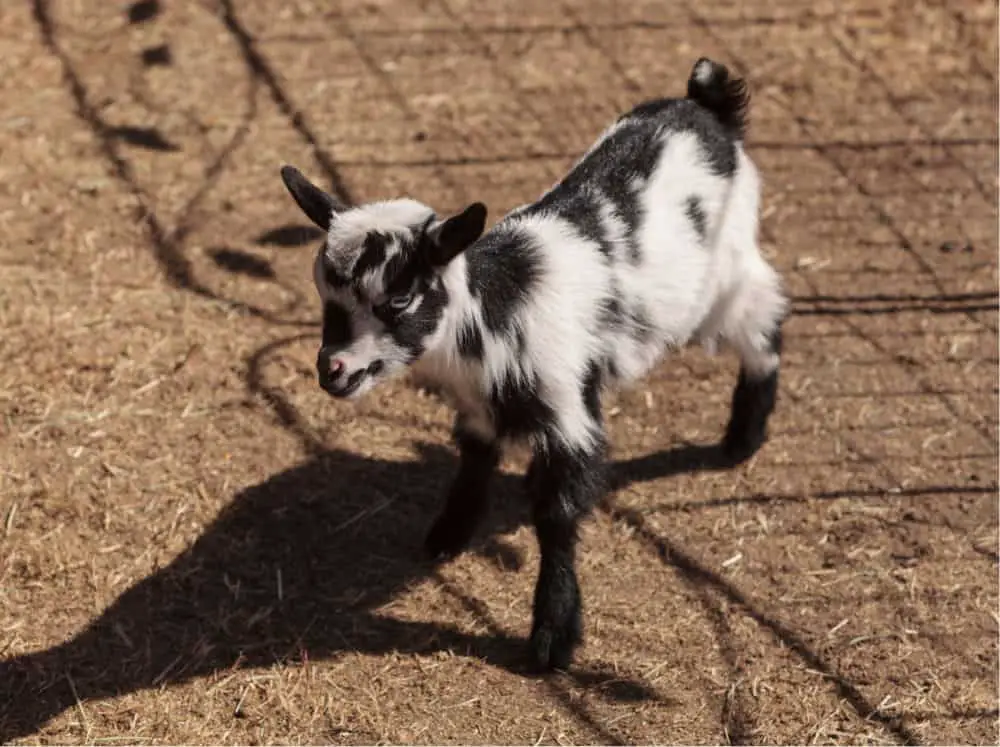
{"points": [[452, 236], [318, 206]]}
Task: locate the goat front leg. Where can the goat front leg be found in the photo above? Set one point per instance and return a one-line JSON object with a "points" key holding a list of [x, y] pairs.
{"points": [[563, 484], [468, 496]]}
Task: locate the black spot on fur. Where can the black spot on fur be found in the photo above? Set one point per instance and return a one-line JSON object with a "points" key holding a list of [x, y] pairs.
{"points": [[333, 278], [632, 319], [336, 325], [504, 267], [372, 254], [696, 214], [630, 153], [611, 315], [592, 391], [640, 326], [611, 368], [582, 210], [470, 341], [518, 410], [718, 143], [777, 340]]}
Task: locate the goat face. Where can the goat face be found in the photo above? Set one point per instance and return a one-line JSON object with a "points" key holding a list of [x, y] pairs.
{"points": [[379, 277]]}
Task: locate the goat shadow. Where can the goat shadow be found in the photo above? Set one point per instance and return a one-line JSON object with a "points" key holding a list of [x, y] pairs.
{"points": [[345, 533]]}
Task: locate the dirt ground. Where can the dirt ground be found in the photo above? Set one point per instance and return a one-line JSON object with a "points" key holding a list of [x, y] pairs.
{"points": [[198, 546]]}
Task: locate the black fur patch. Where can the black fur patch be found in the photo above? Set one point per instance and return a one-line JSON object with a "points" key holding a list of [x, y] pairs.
{"points": [[333, 278], [631, 152], [696, 214], [504, 267], [581, 210], [336, 325], [611, 315], [632, 318], [518, 410], [685, 115], [592, 391], [410, 331], [470, 341], [372, 254]]}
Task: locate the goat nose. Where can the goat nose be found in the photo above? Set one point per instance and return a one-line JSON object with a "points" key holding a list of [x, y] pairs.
{"points": [[327, 364]]}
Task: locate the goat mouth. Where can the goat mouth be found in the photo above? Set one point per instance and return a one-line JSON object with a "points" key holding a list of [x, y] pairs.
{"points": [[341, 392]]}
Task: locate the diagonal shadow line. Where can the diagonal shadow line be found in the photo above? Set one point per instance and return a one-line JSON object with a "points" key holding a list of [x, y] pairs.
{"points": [[738, 722], [287, 415], [398, 97], [956, 14], [261, 70], [175, 264], [861, 64], [593, 39], [176, 267], [697, 574], [870, 145], [511, 80]]}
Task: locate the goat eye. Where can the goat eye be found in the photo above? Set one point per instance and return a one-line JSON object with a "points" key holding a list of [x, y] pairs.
{"points": [[400, 302]]}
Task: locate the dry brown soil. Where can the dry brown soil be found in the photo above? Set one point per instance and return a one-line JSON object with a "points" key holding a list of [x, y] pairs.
{"points": [[198, 546]]}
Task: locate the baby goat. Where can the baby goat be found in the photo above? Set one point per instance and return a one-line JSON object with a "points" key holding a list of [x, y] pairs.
{"points": [[650, 242]]}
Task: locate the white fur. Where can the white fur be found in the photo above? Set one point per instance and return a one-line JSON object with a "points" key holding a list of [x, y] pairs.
{"points": [[721, 288]]}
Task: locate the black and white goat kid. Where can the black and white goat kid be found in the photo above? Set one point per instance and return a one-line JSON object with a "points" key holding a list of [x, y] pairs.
{"points": [[650, 242]]}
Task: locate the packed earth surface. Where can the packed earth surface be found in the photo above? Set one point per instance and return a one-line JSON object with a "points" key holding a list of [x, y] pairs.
{"points": [[197, 545]]}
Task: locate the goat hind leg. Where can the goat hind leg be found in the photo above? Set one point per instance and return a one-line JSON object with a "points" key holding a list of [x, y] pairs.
{"points": [[754, 397]]}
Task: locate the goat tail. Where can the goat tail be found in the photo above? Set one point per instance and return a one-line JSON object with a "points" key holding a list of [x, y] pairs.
{"points": [[726, 97]]}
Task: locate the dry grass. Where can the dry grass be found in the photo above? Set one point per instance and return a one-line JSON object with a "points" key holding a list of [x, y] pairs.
{"points": [[196, 546]]}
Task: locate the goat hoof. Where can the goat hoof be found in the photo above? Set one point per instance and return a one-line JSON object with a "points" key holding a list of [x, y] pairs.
{"points": [[552, 644], [445, 540]]}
